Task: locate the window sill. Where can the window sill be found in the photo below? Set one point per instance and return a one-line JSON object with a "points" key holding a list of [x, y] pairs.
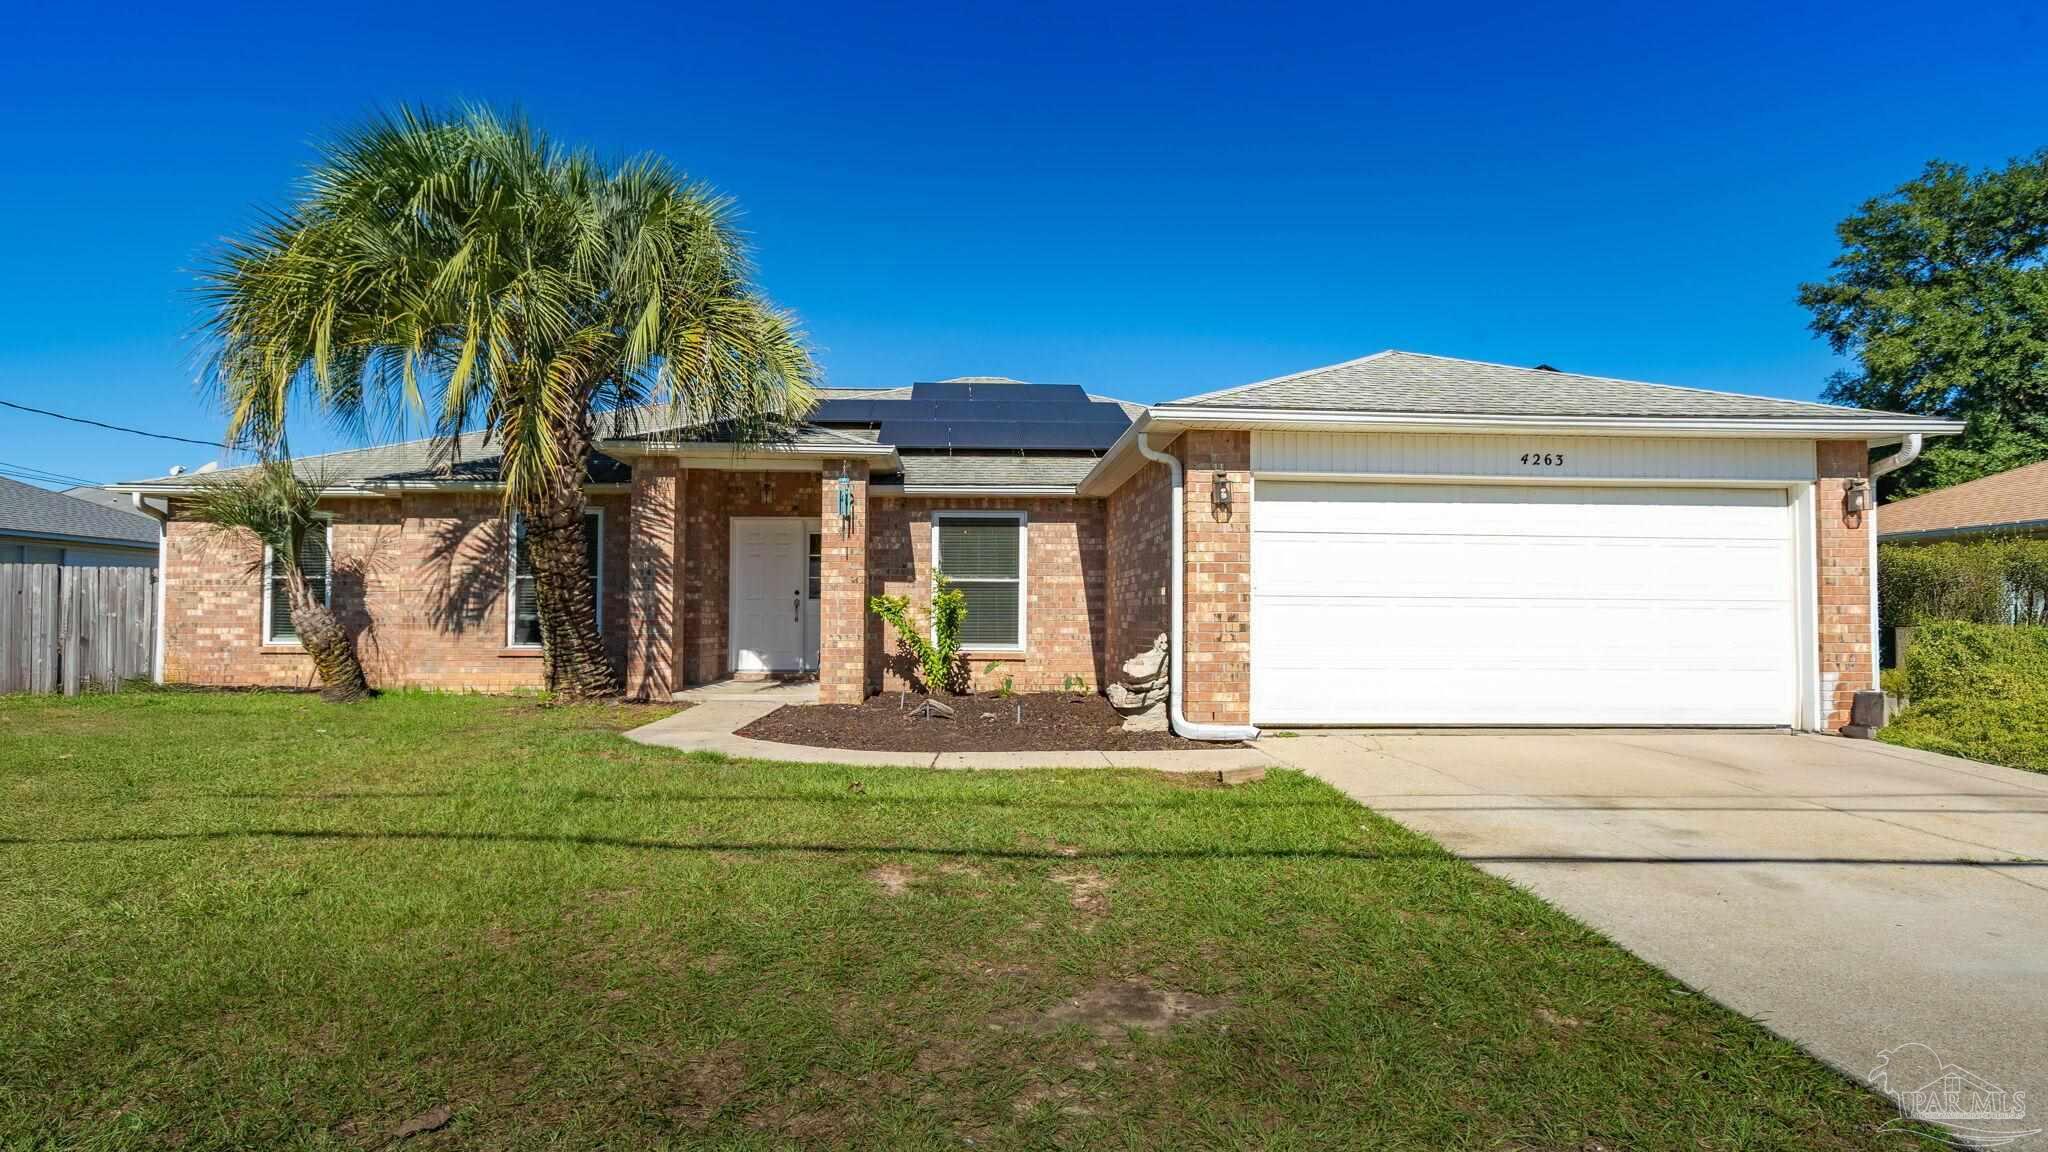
{"points": [[1018, 655], [281, 650], [520, 653]]}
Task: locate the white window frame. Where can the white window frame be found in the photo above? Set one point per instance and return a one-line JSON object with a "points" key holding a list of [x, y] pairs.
{"points": [[269, 574], [512, 576], [1023, 520]]}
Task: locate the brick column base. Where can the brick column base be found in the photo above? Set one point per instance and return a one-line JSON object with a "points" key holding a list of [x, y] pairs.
{"points": [[843, 586]]}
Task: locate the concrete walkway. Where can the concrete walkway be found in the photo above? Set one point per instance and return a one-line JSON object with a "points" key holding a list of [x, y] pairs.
{"points": [[720, 709], [1851, 895]]}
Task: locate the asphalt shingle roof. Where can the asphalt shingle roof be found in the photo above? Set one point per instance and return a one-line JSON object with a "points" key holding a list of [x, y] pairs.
{"points": [[25, 508], [424, 461], [1412, 383], [2009, 499], [993, 470]]}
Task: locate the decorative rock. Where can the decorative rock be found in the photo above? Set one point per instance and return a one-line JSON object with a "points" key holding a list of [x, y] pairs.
{"points": [[1152, 719], [1127, 701], [1148, 665]]}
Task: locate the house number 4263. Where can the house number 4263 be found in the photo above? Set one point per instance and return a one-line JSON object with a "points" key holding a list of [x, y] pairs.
{"points": [[1543, 459]]}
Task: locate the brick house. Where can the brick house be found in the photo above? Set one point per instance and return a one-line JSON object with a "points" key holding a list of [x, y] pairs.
{"points": [[1401, 539]]}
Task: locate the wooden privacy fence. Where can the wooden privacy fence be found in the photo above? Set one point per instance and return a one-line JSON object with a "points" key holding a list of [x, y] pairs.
{"points": [[62, 628]]}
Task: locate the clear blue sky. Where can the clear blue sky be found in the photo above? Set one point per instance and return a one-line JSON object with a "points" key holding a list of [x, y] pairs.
{"points": [[1147, 203]]}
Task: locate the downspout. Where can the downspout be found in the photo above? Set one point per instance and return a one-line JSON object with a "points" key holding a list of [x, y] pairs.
{"points": [[163, 579], [1220, 732], [1908, 452]]}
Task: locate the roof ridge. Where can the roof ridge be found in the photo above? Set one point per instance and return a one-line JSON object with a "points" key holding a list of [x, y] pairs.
{"points": [[1629, 380], [1282, 379]]}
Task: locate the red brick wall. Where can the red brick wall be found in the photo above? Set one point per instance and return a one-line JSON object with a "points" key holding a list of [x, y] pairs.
{"points": [[1066, 605], [1842, 553], [1217, 585], [713, 499], [1140, 536], [419, 581], [654, 658], [844, 568]]}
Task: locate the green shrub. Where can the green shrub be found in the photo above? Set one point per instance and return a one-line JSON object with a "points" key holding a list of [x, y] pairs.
{"points": [[2009, 730], [1951, 658], [938, 657], [1986, 580], [1977, 690]]}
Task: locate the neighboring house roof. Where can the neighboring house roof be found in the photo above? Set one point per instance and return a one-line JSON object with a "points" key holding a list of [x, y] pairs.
{"points": [[1410, 382], [2011, 501], [26, 510]]}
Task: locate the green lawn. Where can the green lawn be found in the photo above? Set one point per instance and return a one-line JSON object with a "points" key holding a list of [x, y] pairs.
{"points": [[236, 921]]}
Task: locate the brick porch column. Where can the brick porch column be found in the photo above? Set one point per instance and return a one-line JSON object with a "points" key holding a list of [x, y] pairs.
{"points": [[1842, 556], [654, 555], [1216, 586], [843, 587]]}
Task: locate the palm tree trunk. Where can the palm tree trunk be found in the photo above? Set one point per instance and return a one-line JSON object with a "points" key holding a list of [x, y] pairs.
{"points": [[565, 594], [334, 654]]}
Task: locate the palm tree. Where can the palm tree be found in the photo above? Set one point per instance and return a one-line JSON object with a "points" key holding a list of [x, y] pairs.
{"points": [[467, 271], [276, 505]]}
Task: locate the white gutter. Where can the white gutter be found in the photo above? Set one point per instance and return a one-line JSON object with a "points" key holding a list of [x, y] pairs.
{"points": [[1177, 559], [163, 580], [1907, 453]]}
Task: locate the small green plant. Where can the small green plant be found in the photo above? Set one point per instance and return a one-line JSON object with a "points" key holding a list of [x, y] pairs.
{"points": [[1074, 683], [1008, 688], [935, 649]]}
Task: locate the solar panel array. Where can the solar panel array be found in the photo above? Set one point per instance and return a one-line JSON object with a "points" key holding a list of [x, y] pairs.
{"points": [[962, 414]]}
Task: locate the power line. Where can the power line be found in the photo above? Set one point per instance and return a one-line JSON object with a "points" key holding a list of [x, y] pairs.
{"points": [[113, 427], [44, 475]]}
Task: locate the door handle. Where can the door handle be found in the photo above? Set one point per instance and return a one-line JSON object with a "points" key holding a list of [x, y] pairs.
{"points": [[796, 605]]}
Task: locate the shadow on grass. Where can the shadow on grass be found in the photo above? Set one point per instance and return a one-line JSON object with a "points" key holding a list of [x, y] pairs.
{"points": [[795, 849]]}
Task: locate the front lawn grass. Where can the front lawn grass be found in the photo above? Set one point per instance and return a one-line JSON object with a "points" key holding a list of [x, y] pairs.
{"points": [[240, 921]]}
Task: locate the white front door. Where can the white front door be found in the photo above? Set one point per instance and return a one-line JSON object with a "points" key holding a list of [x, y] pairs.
{"points": [[1494, 604], [774, 612]]}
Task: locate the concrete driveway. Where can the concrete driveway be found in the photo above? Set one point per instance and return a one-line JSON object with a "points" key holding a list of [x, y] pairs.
{"points": [[1851, 895]]}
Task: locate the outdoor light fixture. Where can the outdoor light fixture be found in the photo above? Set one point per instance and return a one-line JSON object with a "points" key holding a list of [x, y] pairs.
{"points": [[1219, 490], [1856, 497]]}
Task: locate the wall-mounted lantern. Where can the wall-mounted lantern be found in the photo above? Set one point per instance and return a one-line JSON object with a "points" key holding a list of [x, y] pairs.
{"points": [[1856, 497], [1219, 491]]}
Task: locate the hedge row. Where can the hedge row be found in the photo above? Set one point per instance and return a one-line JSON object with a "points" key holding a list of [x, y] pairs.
{"points": [[1978, 690], [1991, 580]]}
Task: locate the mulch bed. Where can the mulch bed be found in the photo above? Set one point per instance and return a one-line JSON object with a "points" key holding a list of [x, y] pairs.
{"points": [[1052, 722]]}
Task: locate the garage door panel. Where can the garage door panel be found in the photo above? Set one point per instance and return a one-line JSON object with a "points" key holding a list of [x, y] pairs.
{"points": [[1450, 604], [1425, 567]]}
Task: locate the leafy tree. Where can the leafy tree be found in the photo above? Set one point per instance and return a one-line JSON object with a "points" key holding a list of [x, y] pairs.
{"points": [[468, 271], [276, 505], [1941, 295]]}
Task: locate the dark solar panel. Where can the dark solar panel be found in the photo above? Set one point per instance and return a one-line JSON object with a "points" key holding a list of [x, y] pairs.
{"points": [[966, 390], [965, 415]]}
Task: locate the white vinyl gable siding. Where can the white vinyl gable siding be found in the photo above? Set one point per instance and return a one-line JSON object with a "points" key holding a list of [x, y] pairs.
{"points": [[985, 555], [316, 562], [1531, 458], [522, 612]]}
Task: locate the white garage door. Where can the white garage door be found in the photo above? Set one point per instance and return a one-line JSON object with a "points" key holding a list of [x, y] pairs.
{"points": [[1521, 604]]}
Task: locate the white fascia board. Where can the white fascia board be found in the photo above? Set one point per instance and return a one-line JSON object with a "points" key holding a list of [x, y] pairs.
{"points": [[1882, 428]]}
